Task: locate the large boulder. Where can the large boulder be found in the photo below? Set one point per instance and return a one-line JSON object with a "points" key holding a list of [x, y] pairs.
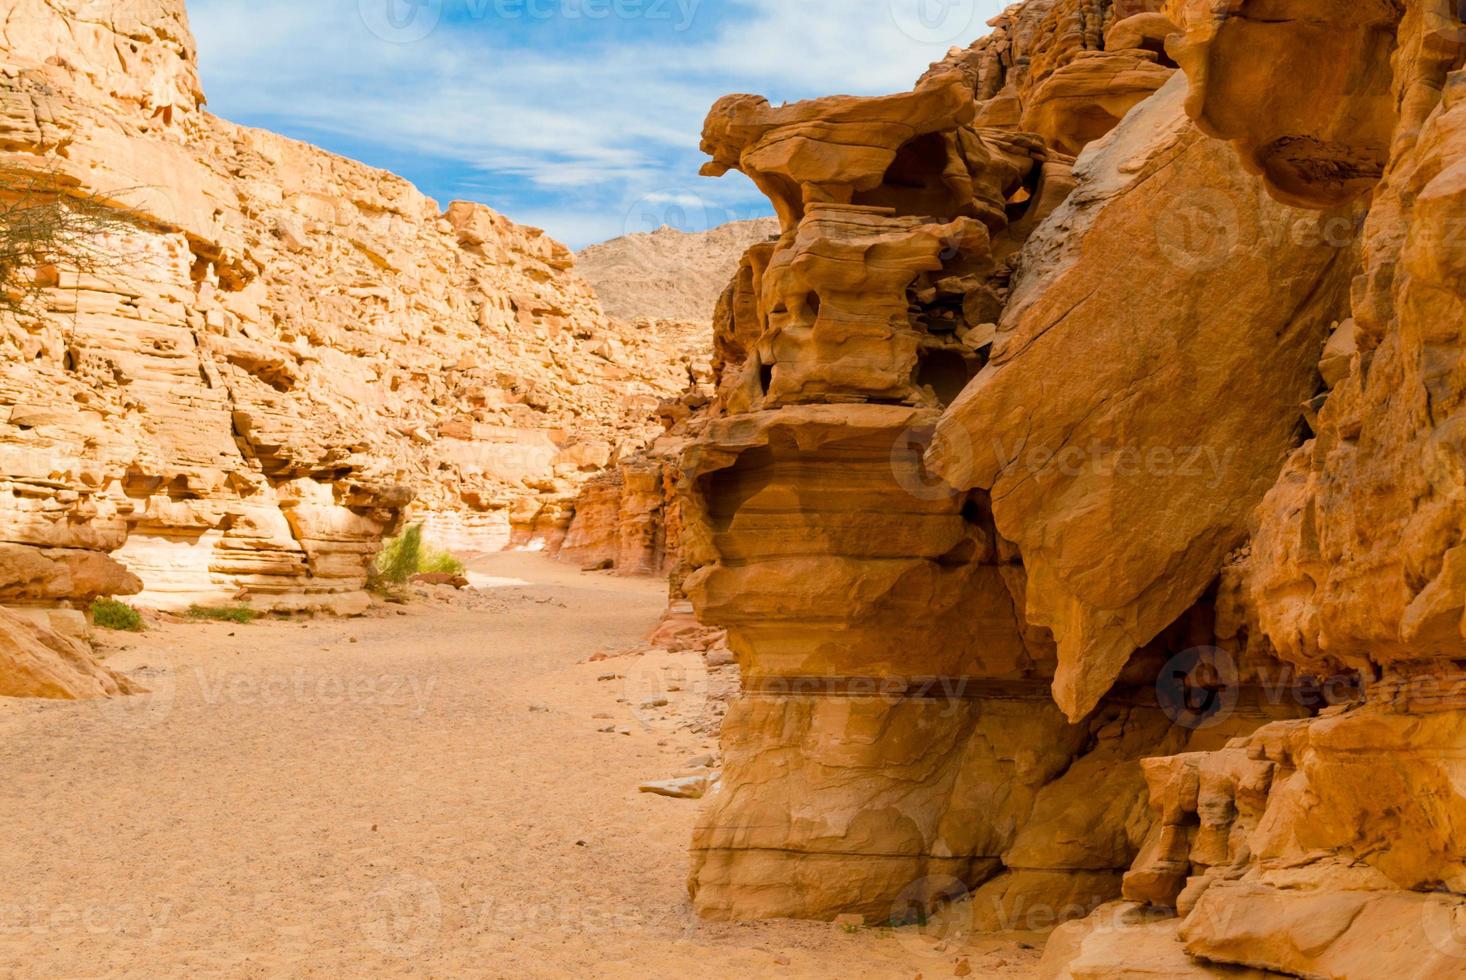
{"points": [[36, 662], [1145, 387]]}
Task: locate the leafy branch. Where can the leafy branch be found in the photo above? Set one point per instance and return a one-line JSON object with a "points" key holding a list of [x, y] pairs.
{"points": [[45, 227]]}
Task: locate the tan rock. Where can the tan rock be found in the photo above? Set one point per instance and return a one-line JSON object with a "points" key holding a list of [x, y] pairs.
{"points": [[1343, 51], [293, 354], [1125, 504], [38, 663], [893, 741]]}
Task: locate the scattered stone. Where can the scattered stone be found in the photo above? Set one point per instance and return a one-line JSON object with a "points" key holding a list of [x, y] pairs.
{"points": [[686, 788], [720, 657]]}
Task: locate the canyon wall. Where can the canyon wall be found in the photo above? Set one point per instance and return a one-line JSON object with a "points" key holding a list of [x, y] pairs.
{"points": [[284, 355], [1088, 527], [896, 741], [1328, 846]]}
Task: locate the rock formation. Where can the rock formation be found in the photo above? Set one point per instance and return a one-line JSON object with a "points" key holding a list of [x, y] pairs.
{"points": [[667, 283], [1326, 847], [287, 353], [896, 739], [1022, 470], [1145, 439]]}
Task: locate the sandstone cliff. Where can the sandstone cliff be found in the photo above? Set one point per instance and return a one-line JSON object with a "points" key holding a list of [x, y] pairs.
{"points": [[671, 284], [896, 741], [287, 353], [1025, 470]]}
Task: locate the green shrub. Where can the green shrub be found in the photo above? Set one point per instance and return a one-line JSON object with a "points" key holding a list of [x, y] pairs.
{"points": [[400, 558], [403, 557], [242, 615], [438, 562], [109, 614]]}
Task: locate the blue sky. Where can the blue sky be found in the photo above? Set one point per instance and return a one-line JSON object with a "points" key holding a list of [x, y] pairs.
{"points": [[580, 116]]}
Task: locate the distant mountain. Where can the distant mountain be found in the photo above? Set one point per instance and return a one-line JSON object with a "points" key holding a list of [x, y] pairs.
{"points": [[669, 274]]}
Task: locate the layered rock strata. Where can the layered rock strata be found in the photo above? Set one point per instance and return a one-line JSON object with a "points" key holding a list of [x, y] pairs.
{"points": [[287, 352], [896, 742]]}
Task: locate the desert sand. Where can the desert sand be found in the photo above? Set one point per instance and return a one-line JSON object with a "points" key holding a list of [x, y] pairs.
{"points": [[423, 792]]}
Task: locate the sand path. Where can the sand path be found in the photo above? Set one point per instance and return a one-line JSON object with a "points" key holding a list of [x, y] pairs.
{"points": [[390, 797]]}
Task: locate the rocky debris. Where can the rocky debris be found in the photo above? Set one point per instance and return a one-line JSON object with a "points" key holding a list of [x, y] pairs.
{"points": [[290, 354], [682, 788]]}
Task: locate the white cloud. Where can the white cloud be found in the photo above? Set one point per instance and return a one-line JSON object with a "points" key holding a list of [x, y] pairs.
{"points": [[606, 127]]}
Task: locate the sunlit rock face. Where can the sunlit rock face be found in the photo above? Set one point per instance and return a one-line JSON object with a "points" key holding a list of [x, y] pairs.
{"points": [[286, 354], [1127, 474], [1067, 70], [1198, 438], [1338, 55], [1328, 846], [897, 742]]}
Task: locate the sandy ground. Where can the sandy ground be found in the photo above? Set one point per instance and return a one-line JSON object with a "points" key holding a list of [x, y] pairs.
{"points": [[421, 794]]}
